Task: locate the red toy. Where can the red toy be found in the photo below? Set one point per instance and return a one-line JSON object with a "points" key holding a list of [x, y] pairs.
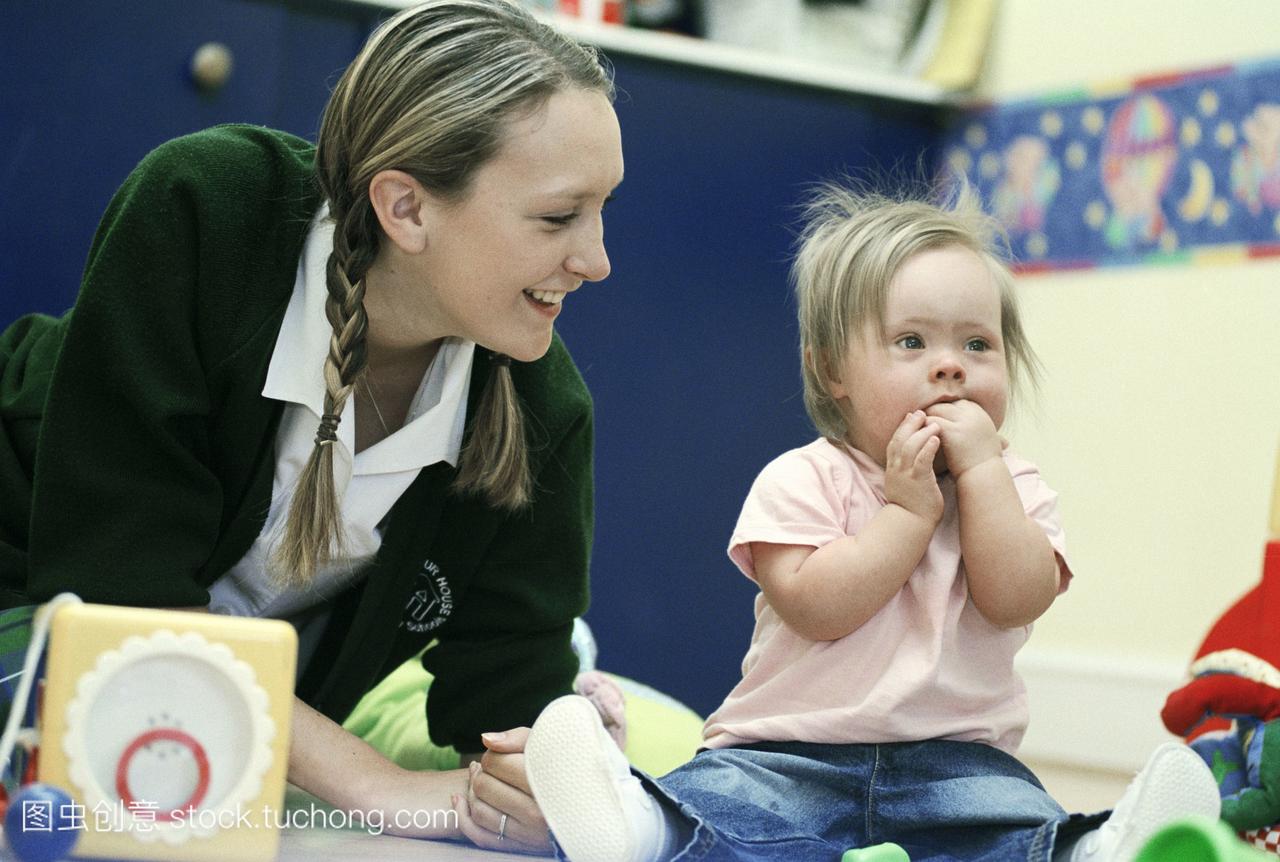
{"points": [[1230, 710]]}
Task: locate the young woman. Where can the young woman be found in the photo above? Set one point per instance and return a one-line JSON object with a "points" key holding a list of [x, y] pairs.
{"points": [[322, 385]]}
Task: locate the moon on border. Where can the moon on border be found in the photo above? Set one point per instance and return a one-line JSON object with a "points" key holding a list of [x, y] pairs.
{"points": [[1193, 207]]}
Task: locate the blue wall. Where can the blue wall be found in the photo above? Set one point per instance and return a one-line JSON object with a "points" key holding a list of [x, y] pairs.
{"points": [[689, 347], [90, 87]]}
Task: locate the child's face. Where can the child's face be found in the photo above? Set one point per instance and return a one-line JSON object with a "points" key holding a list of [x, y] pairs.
{"points": [[939, 341]]}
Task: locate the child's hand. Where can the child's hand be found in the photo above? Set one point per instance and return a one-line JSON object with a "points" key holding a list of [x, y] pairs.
{"points": [[908, 467], [969, 437]]}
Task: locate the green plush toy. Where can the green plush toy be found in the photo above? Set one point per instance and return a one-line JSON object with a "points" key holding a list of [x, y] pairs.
{"points": [[1246, 761], [1198, 839], [876, 853], [656, 732]]}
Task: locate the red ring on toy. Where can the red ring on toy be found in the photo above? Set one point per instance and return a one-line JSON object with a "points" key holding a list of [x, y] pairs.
{"points": [[168, 734]]}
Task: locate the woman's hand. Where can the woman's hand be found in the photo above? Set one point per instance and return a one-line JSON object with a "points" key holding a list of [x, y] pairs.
{"points": [[349, 774], [499, 787]]}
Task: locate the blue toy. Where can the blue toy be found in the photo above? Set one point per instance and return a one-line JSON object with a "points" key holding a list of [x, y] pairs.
{"points": [[41, 824]]}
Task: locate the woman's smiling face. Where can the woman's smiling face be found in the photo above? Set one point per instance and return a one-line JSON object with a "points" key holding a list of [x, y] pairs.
{"points": [[529, 231]]}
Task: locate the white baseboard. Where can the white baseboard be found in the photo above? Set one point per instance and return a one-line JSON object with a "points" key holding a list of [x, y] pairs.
{"points": [[1092, 711]]}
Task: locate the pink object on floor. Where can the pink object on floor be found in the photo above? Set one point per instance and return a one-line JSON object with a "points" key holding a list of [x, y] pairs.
{"points": [[609, 701]]}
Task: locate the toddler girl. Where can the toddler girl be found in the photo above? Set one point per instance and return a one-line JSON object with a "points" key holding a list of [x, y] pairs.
{"points": [[902, 558]]}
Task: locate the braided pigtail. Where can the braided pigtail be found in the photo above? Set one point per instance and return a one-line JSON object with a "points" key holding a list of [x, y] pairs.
{"points": [[313, 530], [429, 94], [495, 462]]}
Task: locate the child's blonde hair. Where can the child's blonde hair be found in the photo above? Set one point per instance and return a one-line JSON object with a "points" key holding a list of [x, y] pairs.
{"points": [[852, 244]]}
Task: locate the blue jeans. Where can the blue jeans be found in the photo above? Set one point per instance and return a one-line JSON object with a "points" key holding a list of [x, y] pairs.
{"points": [[797, 802]]}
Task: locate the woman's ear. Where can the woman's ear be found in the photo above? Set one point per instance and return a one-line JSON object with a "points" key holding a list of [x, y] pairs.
{"points": [[400, 202]]}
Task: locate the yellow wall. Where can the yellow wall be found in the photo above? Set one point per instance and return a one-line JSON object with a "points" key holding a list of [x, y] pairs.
{"points": [[1160, 412], [1050, 44]]}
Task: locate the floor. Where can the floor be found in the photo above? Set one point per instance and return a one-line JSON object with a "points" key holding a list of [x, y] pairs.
{"points": [[333, 845], [1077, 790], [1082, 791]]}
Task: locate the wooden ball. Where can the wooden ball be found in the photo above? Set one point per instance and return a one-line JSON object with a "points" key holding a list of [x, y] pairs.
{"points": [[211, 65]]}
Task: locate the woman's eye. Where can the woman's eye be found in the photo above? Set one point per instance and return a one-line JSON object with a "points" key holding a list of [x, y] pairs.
{"points": [[977, 344], [911, 342], [560, 220]]}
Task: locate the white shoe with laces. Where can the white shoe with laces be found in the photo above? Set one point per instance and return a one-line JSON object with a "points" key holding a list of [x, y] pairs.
{"points": [[1174, 783], [597, 810]]}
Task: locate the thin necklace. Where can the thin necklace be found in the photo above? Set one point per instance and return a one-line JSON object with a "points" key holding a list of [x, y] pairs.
{"points": [[368, 387]]}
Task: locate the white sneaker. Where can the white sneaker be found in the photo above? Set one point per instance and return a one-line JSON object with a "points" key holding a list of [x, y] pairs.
{"points": [[1175, 783], [597, 810]]}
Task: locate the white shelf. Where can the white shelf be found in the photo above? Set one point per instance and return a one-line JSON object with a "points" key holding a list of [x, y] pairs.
{"points": [[731, 58]]}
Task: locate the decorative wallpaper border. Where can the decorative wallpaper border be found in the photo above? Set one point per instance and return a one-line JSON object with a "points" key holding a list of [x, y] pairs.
{"points": [[1172, 169]]}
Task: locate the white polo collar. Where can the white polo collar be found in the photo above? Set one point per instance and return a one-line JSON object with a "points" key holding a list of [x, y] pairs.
{"points": [[433, 430]]}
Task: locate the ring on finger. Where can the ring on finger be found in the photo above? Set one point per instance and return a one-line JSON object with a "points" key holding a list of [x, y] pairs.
{"points": [[502, 827]]}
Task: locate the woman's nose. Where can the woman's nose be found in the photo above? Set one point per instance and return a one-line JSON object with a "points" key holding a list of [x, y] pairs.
{"points": [[591, 261]]}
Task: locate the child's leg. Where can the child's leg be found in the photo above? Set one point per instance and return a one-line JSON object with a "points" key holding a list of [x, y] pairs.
{"points": [[597, 810], [780, 802], [1175, 783], [964, 802]]}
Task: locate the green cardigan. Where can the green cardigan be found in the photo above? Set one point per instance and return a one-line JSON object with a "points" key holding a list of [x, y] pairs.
{"points": [[136, 451]]}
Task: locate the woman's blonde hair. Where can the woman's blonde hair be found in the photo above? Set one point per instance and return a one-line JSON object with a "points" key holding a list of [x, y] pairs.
{"points": [[429, 94], [851, 246]]}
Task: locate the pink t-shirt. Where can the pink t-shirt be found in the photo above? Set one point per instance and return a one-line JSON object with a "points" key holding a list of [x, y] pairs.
{"points": [[928, 665]]}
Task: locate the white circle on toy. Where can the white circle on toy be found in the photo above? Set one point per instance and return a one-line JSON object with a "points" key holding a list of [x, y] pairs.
{"points": [[170, 736]]}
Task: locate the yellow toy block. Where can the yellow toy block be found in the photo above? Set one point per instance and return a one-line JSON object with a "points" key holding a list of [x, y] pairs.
{"points": [[170, 731]]}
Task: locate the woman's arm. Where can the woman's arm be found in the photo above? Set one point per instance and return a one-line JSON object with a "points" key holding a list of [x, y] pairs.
{"points": [[348, 773], [130, 488], [341, 769]]}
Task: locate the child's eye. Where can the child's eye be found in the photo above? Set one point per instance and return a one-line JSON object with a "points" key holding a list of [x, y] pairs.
{"points": [[977, 344], [911, 342]]}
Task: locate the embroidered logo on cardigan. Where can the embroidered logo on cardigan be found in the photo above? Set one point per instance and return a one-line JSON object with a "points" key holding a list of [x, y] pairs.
{"points": [[431, 602]]}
